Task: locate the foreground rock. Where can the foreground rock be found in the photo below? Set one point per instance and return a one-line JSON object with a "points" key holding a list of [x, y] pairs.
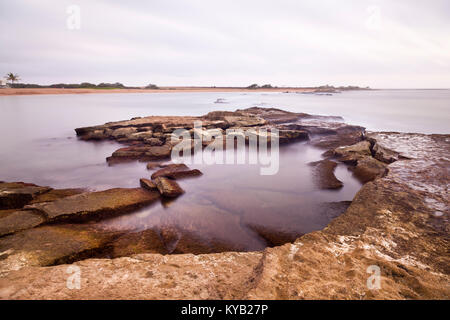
{"points": [[95, 205], [49, 245], [168, 188], [323, 173], [12, 221], [15, 195]]}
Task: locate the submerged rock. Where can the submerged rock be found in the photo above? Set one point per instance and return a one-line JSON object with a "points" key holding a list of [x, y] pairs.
{"points": [[147, 241], [95, 205], [168, 188], [323, 174]]}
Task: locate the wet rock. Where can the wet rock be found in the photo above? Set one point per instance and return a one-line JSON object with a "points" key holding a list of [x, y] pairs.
{"points": [[141, 135], [369, 169], [332, 210], [176, 171], [272, 236], [132, 152], [323, 173], [15, 221], [153, 165], [168, 188], [342, 138], [148, 184], [351, 154], [147, 241], [96, 205], [55, 194], [292, 135], [123, 132], [95, 135], [154, 141], [203, 228], [159, 152], [50, 245], [15, 195]]}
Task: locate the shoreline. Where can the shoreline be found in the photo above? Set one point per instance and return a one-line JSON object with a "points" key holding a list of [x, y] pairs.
{"points": [[48, 91]]}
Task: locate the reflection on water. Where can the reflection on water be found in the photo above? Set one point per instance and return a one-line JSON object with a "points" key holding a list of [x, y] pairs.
{"points": [[235, 205]]}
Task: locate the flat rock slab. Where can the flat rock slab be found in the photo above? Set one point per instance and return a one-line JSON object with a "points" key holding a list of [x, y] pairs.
{"points": [[48, 245], [323, 172], [95, 205], [15, 195], [55, 194], [19, 220]]}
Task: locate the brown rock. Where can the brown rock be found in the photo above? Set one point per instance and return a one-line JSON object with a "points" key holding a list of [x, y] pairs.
{"points": [[351, 154], [19, 220], [96, 205], [154, 142], [168, 188], [148, 184], [147, 241], [55, 194], [158, 152], [123, 132], [176, 171], [49, 245], [14, 195], [369, 169], [323, 173], [153, 165]]}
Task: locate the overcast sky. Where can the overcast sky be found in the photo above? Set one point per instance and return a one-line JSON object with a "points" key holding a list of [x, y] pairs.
{"points": [[381, 44]]}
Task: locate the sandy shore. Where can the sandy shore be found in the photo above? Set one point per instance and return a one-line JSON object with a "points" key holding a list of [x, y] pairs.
{"points": [[32, 91]]}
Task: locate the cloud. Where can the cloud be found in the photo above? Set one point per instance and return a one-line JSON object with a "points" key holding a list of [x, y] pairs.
{"points": [[375, 43]]}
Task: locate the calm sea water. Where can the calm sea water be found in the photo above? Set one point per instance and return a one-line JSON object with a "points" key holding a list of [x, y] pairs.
{"points": [[38, 145]]}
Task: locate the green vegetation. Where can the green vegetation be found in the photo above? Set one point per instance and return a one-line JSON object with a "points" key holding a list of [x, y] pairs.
{"points": [[256, 86], [12, 77]]}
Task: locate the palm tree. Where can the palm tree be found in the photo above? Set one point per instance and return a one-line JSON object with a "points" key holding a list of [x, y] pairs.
{"points": [[12, 77]]}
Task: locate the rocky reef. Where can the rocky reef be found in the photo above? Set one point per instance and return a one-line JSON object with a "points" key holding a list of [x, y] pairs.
{"points": [[398, 222]]}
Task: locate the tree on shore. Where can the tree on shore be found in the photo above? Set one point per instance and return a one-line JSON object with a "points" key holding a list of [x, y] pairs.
{"points": [[12, 77]]}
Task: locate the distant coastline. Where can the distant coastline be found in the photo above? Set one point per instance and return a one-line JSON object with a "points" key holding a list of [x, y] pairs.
{"points": [[46, 90]]}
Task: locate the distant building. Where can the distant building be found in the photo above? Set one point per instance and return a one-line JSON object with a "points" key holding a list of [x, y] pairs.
{"points": [[3, 83]]}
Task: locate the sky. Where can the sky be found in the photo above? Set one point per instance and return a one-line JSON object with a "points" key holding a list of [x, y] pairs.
{"points": [[377, 43]]}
